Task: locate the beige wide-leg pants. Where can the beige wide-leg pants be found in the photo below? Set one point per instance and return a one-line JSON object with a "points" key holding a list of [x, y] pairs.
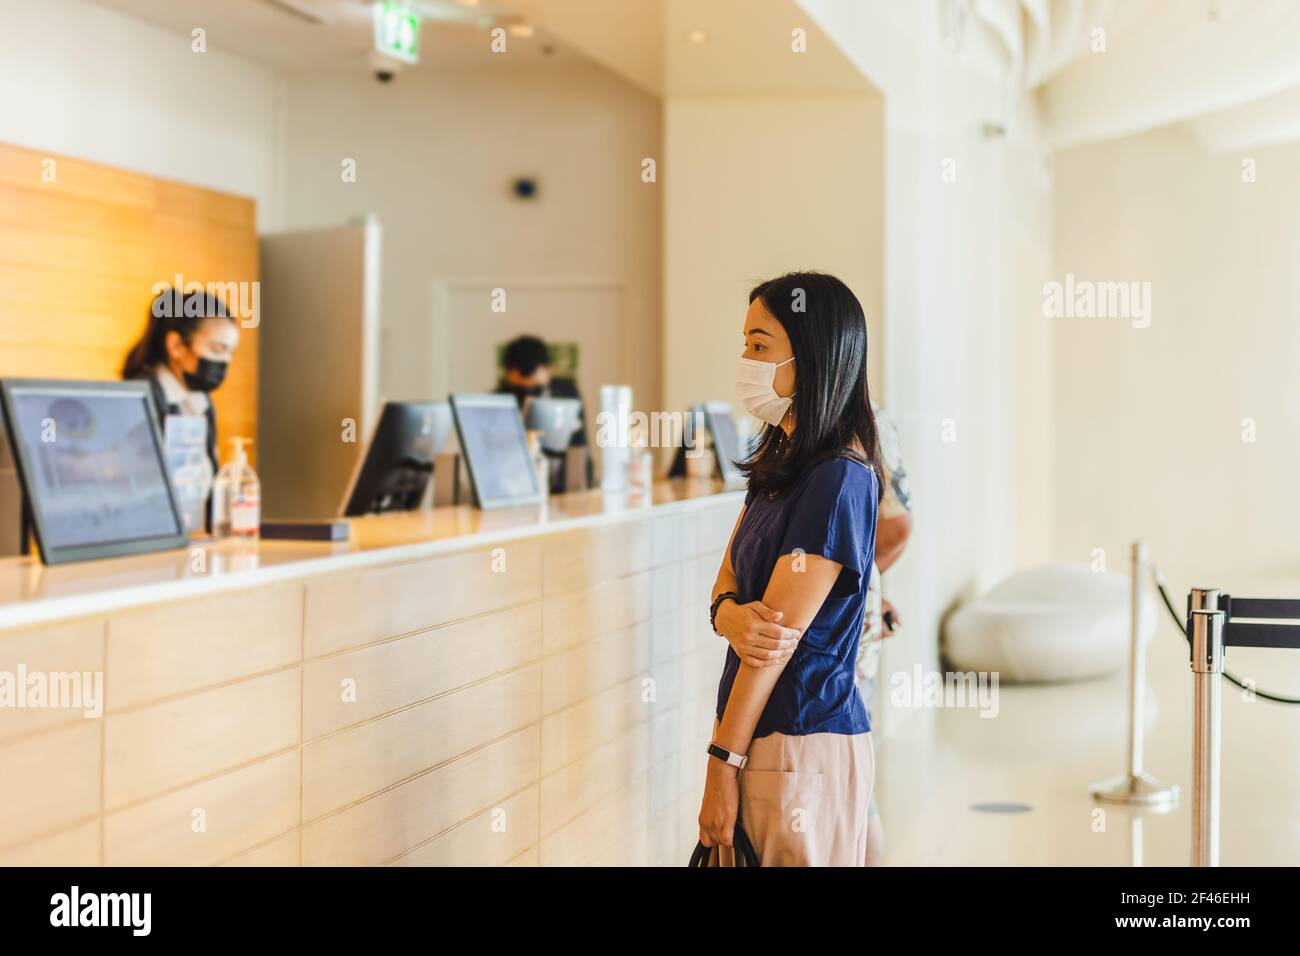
{"points": [[804, 800]]}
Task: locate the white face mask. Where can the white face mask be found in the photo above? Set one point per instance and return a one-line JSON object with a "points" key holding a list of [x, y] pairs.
{"points": [[754, 389]]}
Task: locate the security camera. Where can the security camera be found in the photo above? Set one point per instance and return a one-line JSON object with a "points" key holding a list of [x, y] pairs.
{"points": [[384, 67]]}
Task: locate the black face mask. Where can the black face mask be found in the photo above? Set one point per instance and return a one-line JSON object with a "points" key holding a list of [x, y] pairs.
{"points": [[208, 376], [523, 393]]}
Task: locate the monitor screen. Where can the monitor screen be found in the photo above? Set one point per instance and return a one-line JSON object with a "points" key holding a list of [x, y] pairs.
{"points": [[398, 464], [726, 442], [496, 451], [92, 466]]}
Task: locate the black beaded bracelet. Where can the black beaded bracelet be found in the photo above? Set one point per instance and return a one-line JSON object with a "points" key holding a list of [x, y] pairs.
{"points": [[717, 603]]}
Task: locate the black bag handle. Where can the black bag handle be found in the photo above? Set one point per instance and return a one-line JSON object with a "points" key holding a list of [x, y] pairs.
{"points": [[744, 850]]}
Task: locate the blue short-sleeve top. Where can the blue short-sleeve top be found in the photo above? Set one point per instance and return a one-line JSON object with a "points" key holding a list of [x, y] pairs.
{"points": [[831, 512]]}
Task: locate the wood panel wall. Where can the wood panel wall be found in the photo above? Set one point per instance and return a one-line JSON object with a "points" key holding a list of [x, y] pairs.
{"points": [[452, 710], [81, 252]]}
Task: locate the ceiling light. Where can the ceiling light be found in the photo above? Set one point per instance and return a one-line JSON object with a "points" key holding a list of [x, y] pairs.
{"points": [[697, 36]]}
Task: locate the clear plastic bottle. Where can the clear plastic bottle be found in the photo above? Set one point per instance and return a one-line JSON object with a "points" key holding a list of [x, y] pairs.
{"points": [[237, 497], [541, 464], [640, 464]]}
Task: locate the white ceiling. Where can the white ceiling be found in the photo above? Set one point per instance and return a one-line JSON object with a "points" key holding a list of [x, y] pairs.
{"points": [[1228, 68], [745, 48], [454, 33], [1027, 42], [748, 50], [1185, 61], [1099, 69]]}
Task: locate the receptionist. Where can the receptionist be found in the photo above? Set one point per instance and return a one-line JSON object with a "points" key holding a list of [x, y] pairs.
{"points": [[184, 355], [527, 374]]}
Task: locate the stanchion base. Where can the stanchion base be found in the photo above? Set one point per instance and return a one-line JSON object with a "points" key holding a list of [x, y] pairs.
{"points": [[1142, 790]]}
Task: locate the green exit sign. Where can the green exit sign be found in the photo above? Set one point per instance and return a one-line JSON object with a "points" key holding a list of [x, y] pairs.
{"points": [[397, 31]]}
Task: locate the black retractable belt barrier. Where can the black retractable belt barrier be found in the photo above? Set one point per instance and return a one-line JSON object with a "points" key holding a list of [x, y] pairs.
{"points": [[1260, 632], [1254, 607]]}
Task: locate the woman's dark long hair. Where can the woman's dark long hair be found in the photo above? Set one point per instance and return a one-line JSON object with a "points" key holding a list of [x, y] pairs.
{"points": [[171, 311], [832, 403]]}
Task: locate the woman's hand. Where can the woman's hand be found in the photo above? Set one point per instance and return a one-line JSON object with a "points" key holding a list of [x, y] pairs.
{"points": [[755, 633], [721, 804]]}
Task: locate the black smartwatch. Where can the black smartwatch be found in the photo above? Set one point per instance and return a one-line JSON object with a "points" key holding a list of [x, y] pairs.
{"points": [[717, 603]]}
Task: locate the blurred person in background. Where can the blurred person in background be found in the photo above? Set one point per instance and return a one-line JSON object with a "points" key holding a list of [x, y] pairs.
{"points": [[527, 374], [184, 354]]}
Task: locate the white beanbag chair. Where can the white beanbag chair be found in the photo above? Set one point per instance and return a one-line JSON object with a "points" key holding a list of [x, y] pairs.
{"points": [[1060, 622]]}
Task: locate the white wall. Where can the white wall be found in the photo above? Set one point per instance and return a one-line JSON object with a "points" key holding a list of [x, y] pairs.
{"points": [[82, 81], [435, 154], [435, 151], [1151, 419], [755, 186], [967, 352], [966, 348]]}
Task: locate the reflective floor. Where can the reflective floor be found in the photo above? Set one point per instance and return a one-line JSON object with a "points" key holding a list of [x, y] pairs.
{"points": [[1048, 743]]}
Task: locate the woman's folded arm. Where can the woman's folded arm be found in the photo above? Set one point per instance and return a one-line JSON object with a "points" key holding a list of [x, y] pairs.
{"points": [[799, 585]]}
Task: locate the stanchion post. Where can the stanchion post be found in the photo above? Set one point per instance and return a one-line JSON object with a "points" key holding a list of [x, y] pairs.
{"points": [[1205, 599], [1136, 787], [1207, 668]]}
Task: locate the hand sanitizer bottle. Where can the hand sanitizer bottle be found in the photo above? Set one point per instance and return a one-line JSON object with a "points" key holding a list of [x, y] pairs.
{"points": [[237, 497]]}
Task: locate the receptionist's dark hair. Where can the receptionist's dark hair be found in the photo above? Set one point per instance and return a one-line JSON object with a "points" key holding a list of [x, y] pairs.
{"points": [[525, 354], [832, 404], [171, 311]]}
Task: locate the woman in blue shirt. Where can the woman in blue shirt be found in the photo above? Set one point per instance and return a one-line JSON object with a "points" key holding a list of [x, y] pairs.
{"points": [[791, 751]]}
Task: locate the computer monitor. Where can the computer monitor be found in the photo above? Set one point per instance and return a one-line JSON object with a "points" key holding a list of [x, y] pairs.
{"points": [[90, 462], [556, 418], [716, 417], [395, 472], [491, 433], [726, 441]]}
